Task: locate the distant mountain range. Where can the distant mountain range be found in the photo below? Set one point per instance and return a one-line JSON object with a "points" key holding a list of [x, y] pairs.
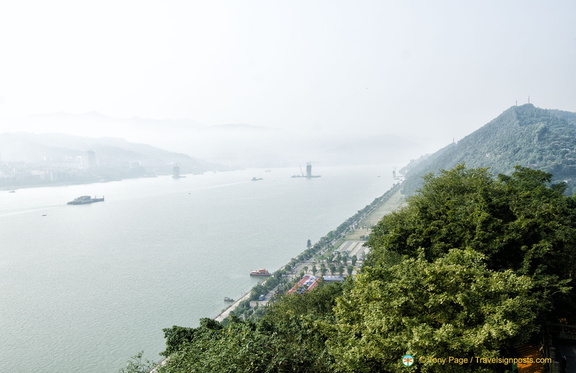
{"points": [[32, 148], [238, 144], [522, 135]]}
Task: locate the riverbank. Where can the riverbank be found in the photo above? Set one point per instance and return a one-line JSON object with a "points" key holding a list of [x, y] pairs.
{"points": [[352, 234], [224, 314]]}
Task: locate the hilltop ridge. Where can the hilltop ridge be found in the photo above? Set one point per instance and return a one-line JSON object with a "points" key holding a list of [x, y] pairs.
{"points": [[523, 135]]}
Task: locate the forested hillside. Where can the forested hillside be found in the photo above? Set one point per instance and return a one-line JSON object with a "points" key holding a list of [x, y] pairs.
{"points": [[522, 135]]}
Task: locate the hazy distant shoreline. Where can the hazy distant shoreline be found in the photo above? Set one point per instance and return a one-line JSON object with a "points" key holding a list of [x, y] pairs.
{"points": [[15, 187]]}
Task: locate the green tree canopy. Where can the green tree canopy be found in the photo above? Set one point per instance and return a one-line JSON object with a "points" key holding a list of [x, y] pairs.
{"points": [[518, 222], [452, 306], [470, 267], [288, 338]]}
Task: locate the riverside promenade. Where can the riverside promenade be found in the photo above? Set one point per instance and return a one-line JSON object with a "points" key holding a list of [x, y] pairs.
{"points": [[352, 243], [224, 314]]}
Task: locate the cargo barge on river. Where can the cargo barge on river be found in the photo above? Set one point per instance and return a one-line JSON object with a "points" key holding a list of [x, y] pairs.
{"points": [[83, 200]]}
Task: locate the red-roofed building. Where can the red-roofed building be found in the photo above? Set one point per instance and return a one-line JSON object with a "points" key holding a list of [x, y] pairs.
{"points": [[307, 283]]}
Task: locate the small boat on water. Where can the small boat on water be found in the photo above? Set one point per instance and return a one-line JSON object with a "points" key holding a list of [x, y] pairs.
{"points": [[260, 272], [228, 299], [83, 200], [256, 178]]}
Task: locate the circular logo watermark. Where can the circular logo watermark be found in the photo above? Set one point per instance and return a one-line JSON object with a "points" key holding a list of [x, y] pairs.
{"points": [[408, 360]]}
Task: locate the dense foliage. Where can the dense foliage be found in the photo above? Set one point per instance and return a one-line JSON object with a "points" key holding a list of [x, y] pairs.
{"points": [[452, 306], [472, 266], [518, 222], [288, 338]]}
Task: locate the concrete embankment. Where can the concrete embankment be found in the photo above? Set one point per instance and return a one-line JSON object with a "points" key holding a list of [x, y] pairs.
{"points": [[224, 314]]}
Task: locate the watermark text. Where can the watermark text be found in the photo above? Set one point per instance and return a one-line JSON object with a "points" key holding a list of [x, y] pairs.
{"points": [[482, 360]]}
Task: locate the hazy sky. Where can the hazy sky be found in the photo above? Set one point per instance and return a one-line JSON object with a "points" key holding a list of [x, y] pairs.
{"points": [[433, 69]]}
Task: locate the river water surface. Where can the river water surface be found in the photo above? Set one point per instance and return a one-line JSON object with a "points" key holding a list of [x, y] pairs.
{"points": [[84, 288]]}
